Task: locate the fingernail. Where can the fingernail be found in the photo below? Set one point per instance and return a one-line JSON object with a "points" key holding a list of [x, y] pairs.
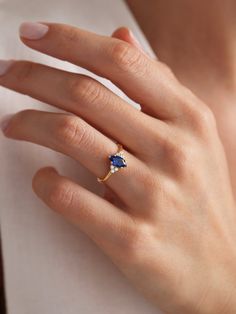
{"points": [[4, 66], [30, 30], [5, 121]]}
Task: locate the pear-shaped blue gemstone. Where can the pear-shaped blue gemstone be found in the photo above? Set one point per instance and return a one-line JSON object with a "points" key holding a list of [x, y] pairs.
{"points": [[118, 161]]}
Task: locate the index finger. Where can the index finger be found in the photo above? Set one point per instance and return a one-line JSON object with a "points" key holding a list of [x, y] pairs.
{"points": [[140, 77]]}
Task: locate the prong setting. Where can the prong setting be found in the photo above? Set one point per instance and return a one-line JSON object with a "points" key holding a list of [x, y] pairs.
{"points": [[117, 162]]}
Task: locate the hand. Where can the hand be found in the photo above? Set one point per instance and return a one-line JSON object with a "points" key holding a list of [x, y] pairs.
{"points": [[173, 234]]}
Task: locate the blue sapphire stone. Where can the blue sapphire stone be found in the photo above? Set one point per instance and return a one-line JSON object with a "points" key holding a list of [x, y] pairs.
{"points": [[118, 161]]}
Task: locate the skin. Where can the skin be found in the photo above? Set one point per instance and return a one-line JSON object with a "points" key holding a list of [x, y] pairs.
{"points": [[196, 39], [174, 227]]}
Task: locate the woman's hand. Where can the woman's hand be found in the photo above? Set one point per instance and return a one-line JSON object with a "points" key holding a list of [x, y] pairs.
{"points": [[173, 234]]}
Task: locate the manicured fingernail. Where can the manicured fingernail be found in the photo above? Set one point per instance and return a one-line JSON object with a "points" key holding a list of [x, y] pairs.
{"points": [[5, 121], [4, 66], [30, 30]]}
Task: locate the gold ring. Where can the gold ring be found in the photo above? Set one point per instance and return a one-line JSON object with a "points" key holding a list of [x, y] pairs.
{"points": [[117, 162]]}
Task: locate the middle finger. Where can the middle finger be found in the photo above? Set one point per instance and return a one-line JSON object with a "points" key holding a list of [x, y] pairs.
{"points": [[87, 98]]}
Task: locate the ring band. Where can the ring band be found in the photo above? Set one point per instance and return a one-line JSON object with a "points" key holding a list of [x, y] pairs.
{"points": [[117, 162]]}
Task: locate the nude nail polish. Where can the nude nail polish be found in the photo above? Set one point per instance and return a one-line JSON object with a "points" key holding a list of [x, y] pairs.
{"points": [[32, 30]]}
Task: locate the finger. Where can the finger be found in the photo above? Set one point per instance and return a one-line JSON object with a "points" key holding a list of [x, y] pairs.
{"points": [[74, 137], [125, 34], [87, 98], [100, 220], [111, 197], [140, 77]]}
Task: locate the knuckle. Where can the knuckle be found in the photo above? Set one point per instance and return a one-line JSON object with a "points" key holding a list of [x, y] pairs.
{"points": [[183, 157], [61, 196], [207, 117], [128, 58], [84, 89], [197, 115], [24, 71], [202, 119], [70, 130], [135, 241], [204, 116]]}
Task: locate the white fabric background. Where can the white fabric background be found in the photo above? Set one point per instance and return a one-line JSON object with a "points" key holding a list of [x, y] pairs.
{"points": [[51, 267]]}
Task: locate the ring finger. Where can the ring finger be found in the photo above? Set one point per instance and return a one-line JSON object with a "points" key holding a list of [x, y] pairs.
{"points": [[74, 137]]}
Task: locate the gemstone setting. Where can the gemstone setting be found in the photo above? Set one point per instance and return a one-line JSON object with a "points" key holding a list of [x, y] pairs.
{"points": [[117, 161]]}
